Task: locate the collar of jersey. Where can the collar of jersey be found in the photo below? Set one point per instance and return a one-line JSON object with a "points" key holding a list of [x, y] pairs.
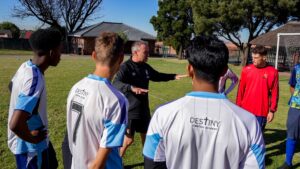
{"points": [[207, 95], [29, 63], [95, 77]]}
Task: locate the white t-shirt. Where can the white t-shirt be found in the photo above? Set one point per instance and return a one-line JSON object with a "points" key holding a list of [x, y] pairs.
{"points": [[205, 131], [96, 117], [28, 94]]}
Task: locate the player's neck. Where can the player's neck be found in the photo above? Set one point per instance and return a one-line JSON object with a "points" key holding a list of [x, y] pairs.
{"points": [[40, 63], [203, 86], [104, 72]]}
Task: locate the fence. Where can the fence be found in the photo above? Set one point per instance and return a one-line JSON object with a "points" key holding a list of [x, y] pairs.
{"points": [[16, 44]]}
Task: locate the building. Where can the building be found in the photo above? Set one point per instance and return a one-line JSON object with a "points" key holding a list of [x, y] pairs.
{"points": [[25, 34], [5, 34], [83, 41]]}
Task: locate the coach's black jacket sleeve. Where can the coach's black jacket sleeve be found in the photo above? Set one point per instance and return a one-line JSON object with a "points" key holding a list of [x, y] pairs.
{"points": [[157, 76], [120, 78], [150, 164]]}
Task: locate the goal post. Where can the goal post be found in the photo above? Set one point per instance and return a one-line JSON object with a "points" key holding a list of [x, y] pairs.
{"points": [[289, 40]]}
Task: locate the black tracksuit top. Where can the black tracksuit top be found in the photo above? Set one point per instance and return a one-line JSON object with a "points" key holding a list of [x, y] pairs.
{"points": [[138, 75]]}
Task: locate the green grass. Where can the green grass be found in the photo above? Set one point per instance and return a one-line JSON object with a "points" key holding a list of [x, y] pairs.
{"points": [[14, 52], [71, 69]]}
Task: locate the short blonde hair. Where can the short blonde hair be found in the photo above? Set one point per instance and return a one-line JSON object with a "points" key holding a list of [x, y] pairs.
{"points": [[108, 47]]}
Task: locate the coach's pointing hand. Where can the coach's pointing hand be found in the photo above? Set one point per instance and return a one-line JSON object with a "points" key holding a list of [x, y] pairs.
{"points": [[138, 90], [177, 77]]}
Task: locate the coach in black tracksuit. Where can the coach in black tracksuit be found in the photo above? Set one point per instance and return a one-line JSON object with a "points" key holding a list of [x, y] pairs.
{"points": [[133, 80]]}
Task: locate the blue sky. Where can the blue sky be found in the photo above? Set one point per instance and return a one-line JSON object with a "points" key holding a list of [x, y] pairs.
{"points": [[136, 13]]}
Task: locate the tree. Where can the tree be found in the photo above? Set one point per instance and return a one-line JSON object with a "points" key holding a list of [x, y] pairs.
{"points": [[174, 24], [123, 36], [61, 14], [12, 27], [227, 18]]}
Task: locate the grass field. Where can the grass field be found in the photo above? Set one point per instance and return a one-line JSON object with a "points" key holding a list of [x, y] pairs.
{"points": [[72, 68], [14, 52]]}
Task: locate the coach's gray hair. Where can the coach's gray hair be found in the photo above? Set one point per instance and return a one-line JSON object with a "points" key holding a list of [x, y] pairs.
{"points": [[136, 45]]}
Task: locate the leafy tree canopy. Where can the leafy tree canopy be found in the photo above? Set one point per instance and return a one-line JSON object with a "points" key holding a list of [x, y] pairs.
{"points": [[12, 27], [174, 23], [227, 18]]}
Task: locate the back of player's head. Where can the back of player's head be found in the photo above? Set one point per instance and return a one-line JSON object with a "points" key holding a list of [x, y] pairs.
{"points": [[209, 58], [261, 50], [108, 47], [44, 40]]}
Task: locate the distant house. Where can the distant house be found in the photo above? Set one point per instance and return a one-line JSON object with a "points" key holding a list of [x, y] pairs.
{"points": [[25, 34], [83, 41], [164, 50], [5, 34]]}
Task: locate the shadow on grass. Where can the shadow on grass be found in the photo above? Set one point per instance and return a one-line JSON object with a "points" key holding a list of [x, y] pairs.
{"points": [[276, 138], [133, 165]]}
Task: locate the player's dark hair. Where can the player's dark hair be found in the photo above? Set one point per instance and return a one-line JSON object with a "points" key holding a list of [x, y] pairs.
{"points": [[43, 40], [209, 58], [261, 50]]}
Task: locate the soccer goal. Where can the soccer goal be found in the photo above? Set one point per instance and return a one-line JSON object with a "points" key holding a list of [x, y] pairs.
{"points": [[287, 50]]}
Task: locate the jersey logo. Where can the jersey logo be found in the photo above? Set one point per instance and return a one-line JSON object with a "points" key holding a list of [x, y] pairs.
{"points": [[265, 76], [205, 123], [81, 93]]}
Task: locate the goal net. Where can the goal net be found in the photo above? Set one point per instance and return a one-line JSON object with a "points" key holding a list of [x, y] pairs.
{"points": [[287, 50]]}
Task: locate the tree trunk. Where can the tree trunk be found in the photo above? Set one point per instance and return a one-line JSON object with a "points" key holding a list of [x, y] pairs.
{"points": [[245, 54], [179, 55]]}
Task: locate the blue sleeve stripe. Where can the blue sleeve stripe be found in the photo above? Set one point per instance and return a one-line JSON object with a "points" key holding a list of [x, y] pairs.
{"points": [[122, 102], [151, 144], [34, 81], [259, 152], [115, 134], [26, 103]]}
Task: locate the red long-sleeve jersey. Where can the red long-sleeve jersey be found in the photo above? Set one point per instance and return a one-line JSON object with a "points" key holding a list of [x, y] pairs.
{"points": [[258, 90]]}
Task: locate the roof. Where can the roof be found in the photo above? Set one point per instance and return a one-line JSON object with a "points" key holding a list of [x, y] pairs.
{"points": [[270, 38], [133, 34]]}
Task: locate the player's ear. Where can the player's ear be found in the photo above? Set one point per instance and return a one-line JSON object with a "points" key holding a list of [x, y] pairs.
{"points": [[190, 70], [265, 58], [94, 55]]}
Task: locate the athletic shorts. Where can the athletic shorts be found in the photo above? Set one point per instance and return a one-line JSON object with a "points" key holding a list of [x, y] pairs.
{"points": [[30, 160], [293, 124], [262, 121], [137, 125]]}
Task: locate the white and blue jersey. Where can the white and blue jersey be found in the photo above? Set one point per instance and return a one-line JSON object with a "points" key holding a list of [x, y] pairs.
{"points": [[96, 118], [29, 95], [205, 131]]}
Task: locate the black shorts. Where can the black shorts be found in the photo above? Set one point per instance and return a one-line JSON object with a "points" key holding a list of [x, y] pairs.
{"points": [[293, 123], [137, 125]]}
